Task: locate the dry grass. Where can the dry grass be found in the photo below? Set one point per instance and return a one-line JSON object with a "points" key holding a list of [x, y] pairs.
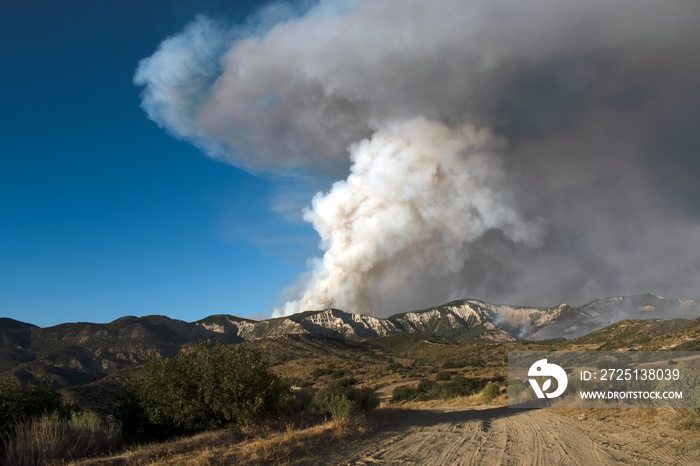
{"points": [[51, 440], [456, 402], [270, 444]]}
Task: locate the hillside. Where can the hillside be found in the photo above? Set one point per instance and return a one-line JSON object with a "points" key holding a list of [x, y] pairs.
{"points": [[80, 353]]}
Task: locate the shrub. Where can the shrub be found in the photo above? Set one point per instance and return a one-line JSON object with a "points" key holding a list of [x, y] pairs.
{"points": [[330, 370], [344, 382], [303, 399], [451, 365], [364, 398], [442, 376], [421, 397], [340, 407], [340, 396], [395, 366], [53, 439], [490, 391], [430, 390], [461, 386], [199, 389], [18, 405], [404, 393]]}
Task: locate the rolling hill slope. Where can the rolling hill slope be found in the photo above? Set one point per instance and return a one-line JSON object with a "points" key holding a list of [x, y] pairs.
{"points": [[79, 353]]}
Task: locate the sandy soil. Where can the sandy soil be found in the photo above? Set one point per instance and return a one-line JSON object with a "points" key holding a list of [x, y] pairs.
{"points": [[504, 436]]}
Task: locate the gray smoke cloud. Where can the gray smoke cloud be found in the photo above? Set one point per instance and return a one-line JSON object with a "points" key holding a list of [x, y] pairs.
{"points": [[527, 152]]}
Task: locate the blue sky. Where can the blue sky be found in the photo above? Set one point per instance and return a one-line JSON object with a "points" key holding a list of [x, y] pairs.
{"points": [[501, 151], [102, 213]]}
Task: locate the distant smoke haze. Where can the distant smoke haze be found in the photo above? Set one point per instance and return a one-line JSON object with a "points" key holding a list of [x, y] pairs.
{"points": [[520, 152]]}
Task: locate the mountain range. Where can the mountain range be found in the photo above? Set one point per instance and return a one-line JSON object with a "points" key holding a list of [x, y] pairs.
{"points": [[78, 353]]}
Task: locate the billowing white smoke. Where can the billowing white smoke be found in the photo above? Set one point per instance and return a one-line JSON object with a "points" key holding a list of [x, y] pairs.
{"points": [[418, 194], [594, 98]]}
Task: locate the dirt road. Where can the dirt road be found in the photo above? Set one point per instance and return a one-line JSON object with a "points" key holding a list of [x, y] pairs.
{"points": [[503, 436]]}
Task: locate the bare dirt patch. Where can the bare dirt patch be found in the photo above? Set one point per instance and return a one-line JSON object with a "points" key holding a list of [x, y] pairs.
{"points": [[505, 436]]}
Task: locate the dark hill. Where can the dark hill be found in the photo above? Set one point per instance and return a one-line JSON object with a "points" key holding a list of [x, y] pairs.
{"points": [[78, 353]]}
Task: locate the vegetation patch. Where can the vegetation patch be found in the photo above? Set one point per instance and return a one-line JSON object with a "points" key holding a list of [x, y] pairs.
{"points": [[18, 405], [342, 400], [201, 388], [52, 439], [433, 390]]}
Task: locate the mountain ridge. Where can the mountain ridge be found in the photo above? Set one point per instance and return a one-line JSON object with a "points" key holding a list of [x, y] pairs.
{"points": [[90, 351]]}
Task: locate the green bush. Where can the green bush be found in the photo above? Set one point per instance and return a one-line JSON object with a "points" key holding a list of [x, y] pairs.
{"points": [[395, 366], [490, 391], [55, 439], [365, 399], [431, 390], [201, 388], [442, 376], [18, 405], [344, 382], [461, 386], [404, 393], [303, 399], [330, 370], [340, 407], [342, 400]]}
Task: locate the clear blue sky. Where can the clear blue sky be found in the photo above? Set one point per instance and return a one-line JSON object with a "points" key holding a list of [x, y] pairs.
{"points": [[102, 213]]}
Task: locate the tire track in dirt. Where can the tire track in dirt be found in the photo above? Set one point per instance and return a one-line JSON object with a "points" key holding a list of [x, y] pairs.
{"points": [[552, 439], [649, 444], [499, 436]]}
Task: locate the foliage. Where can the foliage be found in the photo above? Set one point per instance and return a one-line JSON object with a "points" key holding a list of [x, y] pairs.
{"points": [[442, 376], [201, 388], [303, 398], [395, 366], [431, 390], [473, 360], [451, 365], [404, 393], [340, 407], [19, 405], [53, 439], [690, 418], [330, 370], [490, 391], [342, 400]]}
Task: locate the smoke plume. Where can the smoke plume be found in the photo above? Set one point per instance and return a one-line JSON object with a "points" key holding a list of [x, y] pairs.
{"points": [[525, 152]]}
